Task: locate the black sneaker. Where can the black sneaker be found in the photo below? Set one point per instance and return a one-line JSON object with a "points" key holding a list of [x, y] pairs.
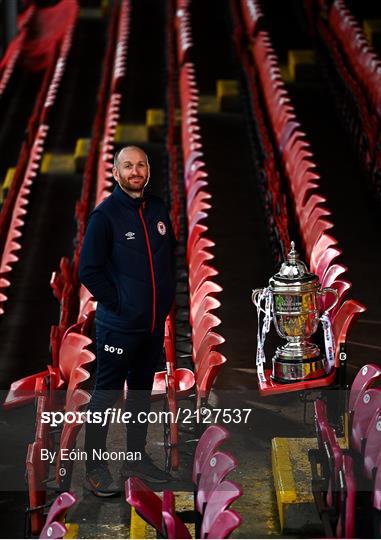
{"points": [[101, 483], [146, 470]]}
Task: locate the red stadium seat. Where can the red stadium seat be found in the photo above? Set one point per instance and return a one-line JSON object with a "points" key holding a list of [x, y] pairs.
{"points": [[365, 408]]}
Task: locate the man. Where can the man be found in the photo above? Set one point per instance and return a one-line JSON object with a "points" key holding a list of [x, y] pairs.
{"points": [[127, 263]]}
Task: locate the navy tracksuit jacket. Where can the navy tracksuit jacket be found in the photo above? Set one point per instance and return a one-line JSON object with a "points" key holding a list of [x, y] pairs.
{"points": [[128, 264]]}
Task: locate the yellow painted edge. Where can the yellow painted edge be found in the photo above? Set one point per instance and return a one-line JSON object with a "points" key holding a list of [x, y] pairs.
{"points": [[226, 87], [9, 177], [284, 481], [72, 530], [298, 57], [45, 164], [138, 526], [155, 117], [136, 132], [81, 148]]}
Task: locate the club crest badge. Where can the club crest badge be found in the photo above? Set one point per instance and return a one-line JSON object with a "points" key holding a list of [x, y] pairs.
{"points": [[161, 228]]}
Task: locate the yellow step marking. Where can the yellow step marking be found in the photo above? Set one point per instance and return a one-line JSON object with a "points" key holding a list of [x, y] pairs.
{"points": [[372, 30], [155, 119], [4, 187], [126, 133], [81, 153], [227, 94], [72, 530], [208, 104], [91, 13], [138, 527], [292, 479], [57, 164], [301, 64]]}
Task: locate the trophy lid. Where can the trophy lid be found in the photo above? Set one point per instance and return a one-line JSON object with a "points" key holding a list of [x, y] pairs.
{"points": [[293, 271]]}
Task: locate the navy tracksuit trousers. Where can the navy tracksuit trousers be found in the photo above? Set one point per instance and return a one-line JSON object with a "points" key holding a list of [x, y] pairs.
{"points": [[120, 357]]}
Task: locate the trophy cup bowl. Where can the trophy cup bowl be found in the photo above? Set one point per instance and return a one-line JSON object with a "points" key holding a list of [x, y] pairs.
{"points": [[296, 311]]}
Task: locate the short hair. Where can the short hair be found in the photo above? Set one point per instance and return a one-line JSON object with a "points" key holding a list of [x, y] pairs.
{"points": [[130, 147]]}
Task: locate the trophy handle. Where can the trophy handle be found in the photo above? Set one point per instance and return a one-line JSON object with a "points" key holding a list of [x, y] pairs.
{"points": [[254, 298], [332, 291]]}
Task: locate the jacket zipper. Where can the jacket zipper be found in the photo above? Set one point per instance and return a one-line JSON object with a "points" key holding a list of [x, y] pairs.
{"points": [[152, 270]]}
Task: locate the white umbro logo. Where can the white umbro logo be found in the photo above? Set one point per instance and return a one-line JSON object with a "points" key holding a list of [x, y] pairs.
{"points": [[130, 235]]}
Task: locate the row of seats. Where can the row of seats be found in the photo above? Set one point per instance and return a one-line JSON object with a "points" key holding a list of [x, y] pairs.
{"points": [[212, 496], [207, 360], [273, 196], [298, 169], [15, 206], [14, 49], [60, 387], [346, 482], [354, 71]]}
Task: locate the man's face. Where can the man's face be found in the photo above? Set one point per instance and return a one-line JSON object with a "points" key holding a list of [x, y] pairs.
{"points": [[132, 171]]}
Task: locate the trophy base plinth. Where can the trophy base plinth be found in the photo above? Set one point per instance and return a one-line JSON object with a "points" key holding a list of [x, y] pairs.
{"points": [[295, 365]]}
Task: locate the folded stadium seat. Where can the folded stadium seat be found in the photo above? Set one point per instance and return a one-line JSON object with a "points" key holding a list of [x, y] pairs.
{"points": [[204, 273], [313, 235], [364, 410], [213, 471], [346, 526], [313, 202], [54, 525], [367, 375], [342, 322], [210, 342], [206, 374], [206, 288], [252, 16], [296, 137], [372, 446], [327, 257], [208, 304], [342, 287], [207, 445], [194, 235], [219, 501], [196, 186], [303, 191], [318, 247], [173, 526], [199, 205], [332, 274], [197, 259], [208, 322], [73, 356], [307, 227], [376, 503], [225, 523]]}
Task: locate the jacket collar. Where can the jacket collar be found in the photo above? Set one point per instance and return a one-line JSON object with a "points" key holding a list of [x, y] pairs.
{"points": [[127, 200]]}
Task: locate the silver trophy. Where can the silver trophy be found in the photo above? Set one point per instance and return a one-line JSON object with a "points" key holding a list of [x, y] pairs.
{"points": [[296, 307]]}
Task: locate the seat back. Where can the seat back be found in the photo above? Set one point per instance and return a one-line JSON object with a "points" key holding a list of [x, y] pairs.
{"points": [[214, 470], [206, 374], [372, 446], [367, 375], [346, 523], [365, 407], [146, 503], [73, 353], [342, 322], [225, 523], [54, 527], [220, 499], [173, 525], [210, 341], [209, 441]]}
